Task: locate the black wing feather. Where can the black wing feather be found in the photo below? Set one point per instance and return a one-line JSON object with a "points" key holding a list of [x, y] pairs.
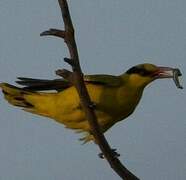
{"points": [[43, 84]]}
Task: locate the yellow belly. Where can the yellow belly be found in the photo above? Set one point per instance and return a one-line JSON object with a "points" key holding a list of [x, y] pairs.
{"points": [[112, 105]]}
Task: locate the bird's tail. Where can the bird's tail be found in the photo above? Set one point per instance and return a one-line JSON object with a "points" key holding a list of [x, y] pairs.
{"points": [[15, 95], [33, 102]]}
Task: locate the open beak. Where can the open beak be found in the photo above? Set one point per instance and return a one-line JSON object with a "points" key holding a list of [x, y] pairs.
{"points": [[166, 72]]}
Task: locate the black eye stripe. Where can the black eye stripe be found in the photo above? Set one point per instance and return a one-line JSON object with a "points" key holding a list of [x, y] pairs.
{"points": [[138, 70], [133, 70]]}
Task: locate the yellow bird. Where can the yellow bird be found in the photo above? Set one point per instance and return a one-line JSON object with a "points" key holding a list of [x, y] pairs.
{"points": [[115, 97]]}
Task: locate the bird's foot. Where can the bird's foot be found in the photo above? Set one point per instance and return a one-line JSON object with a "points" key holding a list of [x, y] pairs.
{"points": [[114, 152], [92, 105]]}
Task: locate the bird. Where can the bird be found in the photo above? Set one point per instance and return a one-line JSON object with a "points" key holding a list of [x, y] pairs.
{"points": [[115, 97]]}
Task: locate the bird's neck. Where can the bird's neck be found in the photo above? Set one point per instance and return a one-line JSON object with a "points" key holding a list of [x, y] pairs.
{"points": [[135, 82]]}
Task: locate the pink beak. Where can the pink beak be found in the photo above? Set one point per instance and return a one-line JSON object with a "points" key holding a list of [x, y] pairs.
{"points": [[165, 72]]}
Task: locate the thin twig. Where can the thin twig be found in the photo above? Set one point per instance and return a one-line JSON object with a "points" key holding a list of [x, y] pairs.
{"points": [[54, 32], [76, 77]]}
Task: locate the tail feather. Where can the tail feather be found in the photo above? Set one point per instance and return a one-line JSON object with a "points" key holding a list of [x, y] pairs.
{"points": [[15, 95], [33, 102]]}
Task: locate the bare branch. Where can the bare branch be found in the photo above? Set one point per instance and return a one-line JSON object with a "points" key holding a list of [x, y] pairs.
{"points": [[54, 32], [76, 77], [66, 74]]}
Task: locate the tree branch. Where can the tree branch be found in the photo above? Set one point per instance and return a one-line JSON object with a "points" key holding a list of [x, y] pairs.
{"points": [[76, 77], [54, 32]]}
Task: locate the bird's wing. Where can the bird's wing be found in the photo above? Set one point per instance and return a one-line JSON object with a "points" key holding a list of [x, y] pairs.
{"points": [[43, 84], [103, 79], [31, 84]]}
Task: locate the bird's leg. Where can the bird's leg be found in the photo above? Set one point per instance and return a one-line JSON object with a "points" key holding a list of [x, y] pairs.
{"points": [[114, 151]]}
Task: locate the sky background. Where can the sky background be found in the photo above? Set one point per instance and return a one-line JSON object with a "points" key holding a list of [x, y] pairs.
{"points": [[112, 35]]}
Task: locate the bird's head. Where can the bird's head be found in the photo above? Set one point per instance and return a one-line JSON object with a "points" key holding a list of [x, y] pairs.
{"points": [[143, 74]]}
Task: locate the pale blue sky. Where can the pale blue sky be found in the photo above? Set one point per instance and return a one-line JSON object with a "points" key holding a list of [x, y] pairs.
{"points": [[112, 35]]}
